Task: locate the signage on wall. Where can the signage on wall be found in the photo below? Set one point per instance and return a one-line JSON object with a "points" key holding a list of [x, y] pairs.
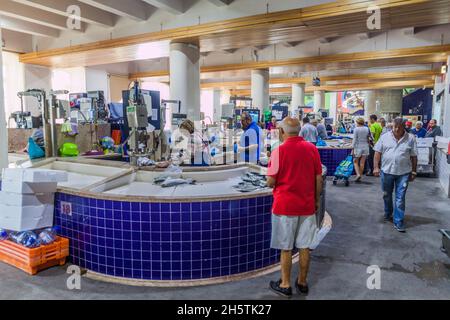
{"points": [[66, 208]]}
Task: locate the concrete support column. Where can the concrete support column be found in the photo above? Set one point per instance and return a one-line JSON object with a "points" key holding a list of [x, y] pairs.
{"points": [[319, 100], [333, 106], [217, 93], [383, 101], [298, 96], [3, 130], [185, 78], [370, 103], [260, 88]]}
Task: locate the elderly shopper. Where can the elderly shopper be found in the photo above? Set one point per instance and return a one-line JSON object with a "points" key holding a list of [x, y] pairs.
{"points": [[309, 132], [399, 167], [419, 131], [295, 174], [361, 150]]}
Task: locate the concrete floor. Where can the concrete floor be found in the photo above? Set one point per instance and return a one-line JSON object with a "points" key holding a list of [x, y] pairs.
{"points": [[412, 265]]}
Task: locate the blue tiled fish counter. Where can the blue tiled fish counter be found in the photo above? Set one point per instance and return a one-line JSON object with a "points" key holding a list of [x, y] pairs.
{"points": [[124, 227], [167, 241], [331, 158]]}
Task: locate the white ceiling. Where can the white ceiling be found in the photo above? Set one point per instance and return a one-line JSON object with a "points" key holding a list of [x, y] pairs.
{"points": [[48, 18]]}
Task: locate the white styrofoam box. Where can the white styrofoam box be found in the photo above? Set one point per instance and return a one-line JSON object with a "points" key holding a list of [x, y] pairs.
{"points": [[23, 200], [34, 175], [16, 218], [443, 142], [28, 188], [425, 142]]}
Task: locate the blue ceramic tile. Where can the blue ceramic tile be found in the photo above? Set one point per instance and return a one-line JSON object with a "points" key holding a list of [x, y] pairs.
{"points": [[216, 206], [186, 275], [165, 246], [196, 207], [175, 227], [145, 216], [146, 236], [156, 275], [136, 215], [196, 236], [196, 255], [165, 207], [186, 240], [135, 207], [156, 236], [155, 208], [176, 236], [196, 216], [175, 207], [185, 207], [165, 227], [186, 256]]}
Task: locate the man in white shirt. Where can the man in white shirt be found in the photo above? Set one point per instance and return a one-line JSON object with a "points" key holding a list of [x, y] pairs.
{"points": [[399, 167], [309, 132]]}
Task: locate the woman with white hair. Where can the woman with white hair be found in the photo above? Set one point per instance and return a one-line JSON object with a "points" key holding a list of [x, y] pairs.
{"points": [[419, 131], [361, 148]]}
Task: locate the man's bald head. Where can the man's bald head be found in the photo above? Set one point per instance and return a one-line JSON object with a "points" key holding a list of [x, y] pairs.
{"points": [[290, 126]]}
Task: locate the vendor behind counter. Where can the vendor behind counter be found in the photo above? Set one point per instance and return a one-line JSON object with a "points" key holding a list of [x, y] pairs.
{"points": [[192, 147], [252, 140]]}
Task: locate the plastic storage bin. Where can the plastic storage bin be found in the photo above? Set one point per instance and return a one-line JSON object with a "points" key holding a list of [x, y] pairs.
{"points": [[34, 260]]}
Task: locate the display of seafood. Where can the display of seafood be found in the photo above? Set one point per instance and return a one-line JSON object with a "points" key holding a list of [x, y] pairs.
{"points": [[251, 182]]}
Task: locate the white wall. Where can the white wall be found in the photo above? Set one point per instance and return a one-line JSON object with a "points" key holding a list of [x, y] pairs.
{"points": [[13, 82], [70, 79], [98, 80]]}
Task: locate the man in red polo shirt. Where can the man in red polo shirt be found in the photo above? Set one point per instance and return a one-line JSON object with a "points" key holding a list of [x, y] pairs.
{"points": [[295, 173]]}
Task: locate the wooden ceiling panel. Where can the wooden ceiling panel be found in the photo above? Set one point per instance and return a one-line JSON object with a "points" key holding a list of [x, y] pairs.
{"points": [[334, 19]]}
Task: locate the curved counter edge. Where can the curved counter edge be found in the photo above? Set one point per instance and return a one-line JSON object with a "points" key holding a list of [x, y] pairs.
{"points": [[188, 283]]}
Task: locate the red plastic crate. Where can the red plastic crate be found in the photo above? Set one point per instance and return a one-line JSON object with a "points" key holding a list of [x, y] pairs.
{"points": [[34, 260]]}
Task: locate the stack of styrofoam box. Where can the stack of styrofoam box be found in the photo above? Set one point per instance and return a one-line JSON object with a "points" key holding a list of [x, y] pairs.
{"points": [[27, 198]]}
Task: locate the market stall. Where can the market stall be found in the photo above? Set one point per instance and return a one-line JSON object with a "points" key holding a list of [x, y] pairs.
{"points": [[124, 227]]}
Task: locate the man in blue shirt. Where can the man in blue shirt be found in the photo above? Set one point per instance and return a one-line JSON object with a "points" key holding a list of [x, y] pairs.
{"points": [[251, 143], [419, 131]]}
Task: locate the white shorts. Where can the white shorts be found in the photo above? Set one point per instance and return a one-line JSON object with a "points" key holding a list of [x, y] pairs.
{"points": [[288, 231], [361, 152]]}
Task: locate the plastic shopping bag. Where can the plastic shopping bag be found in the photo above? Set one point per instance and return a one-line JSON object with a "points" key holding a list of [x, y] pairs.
{"points": [[322, 232], [34, 151]]}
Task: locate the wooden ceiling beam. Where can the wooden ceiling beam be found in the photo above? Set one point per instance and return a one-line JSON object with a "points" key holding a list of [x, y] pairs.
{"points": [[426, 54], [350, 15], [347, 87]]}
